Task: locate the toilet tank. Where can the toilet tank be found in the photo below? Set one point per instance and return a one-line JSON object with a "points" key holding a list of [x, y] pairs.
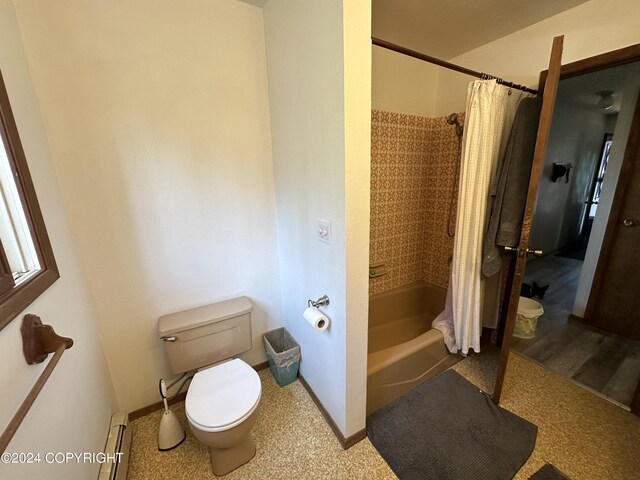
{"points": [[205, 335]]}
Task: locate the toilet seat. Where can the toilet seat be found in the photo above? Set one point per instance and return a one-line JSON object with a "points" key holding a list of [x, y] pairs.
{"points": [[221, 397]]}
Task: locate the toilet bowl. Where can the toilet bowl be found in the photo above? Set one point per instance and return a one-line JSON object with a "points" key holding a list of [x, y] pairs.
{"points": [[224, 395], [222, 407]]}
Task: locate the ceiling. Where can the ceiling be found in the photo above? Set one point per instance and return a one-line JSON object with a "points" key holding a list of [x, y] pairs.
{"points": [[448, 28], [582, 89]]}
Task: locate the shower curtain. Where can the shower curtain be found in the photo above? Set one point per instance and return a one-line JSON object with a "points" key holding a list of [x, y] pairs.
{"points": [[490, 113]]}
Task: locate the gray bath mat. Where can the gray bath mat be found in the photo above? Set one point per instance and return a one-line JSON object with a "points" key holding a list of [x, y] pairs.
{"points": [[549, 472], [447, 429]]}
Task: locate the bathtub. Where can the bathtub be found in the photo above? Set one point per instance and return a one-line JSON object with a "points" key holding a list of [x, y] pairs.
{"points": [[403, 350]]}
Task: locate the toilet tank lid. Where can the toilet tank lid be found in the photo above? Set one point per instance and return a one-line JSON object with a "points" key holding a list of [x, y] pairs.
{"points": [[196, 317]]}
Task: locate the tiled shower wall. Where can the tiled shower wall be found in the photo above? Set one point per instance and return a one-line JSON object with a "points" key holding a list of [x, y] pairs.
{"points": [[413, 179]]}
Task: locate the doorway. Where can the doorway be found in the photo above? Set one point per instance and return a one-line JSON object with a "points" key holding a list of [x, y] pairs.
{"points": [[589, 135]]}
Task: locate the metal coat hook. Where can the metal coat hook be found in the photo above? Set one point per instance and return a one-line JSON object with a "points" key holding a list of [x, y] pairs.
{"points": [[323, 301]]}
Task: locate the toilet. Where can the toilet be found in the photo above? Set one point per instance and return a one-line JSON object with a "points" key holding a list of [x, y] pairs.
{"points": [[223, 397]]}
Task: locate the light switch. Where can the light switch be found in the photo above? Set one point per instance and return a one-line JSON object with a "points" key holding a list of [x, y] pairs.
{"points": [[323, 231]]}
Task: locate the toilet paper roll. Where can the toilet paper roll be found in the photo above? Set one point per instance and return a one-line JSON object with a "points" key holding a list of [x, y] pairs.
{"points": [[318, 320]]}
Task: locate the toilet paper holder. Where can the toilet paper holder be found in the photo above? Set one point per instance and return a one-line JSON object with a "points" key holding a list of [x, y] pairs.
{"points": [[323, 301]]}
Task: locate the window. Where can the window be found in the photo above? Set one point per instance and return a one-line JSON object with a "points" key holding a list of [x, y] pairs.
{"points": [[597, 183], [27, 264]]}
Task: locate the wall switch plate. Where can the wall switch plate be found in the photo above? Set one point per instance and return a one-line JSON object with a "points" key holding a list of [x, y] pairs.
{"points": [[323, 231]]}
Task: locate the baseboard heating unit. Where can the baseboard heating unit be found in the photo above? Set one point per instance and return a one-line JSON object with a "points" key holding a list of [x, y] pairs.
{"points": [[117, 449]]}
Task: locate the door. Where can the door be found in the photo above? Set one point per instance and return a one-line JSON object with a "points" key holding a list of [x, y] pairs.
{"points": [[517, 265], [614, 303]]}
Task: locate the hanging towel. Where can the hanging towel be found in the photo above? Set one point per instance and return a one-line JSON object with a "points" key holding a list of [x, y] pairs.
{"points": [[509, 190]]}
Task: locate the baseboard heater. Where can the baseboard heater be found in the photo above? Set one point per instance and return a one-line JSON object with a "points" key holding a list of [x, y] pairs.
{"points": [[117, 449]]}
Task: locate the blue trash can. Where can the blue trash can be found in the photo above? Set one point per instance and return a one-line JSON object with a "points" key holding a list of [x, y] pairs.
{"points": [[283, 355]]}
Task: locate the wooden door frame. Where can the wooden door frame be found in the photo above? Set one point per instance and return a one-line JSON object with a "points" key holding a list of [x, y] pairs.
{"points": [[603, 61]]}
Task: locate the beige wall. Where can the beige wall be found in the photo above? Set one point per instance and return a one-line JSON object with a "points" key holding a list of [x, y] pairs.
{"points": [[357, 115], [158, 117], [318, 56], [72, 411], [594, 27], [402, 84]]}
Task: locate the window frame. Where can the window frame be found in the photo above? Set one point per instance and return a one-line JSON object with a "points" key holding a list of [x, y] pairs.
{"points": [[21, 295]]}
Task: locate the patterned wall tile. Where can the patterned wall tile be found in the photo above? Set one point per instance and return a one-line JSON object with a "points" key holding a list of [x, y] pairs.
{"points": [[413, 178]]}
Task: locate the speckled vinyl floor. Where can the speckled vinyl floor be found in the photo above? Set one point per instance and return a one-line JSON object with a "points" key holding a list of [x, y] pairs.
{"points": [[583, 435], [293, 441]]}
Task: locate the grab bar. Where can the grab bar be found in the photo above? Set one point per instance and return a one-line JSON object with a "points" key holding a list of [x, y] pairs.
{"points": [[38, 341]]}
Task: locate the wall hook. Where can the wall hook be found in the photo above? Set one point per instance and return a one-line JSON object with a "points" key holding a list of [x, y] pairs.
{"points": [[560, 170]]}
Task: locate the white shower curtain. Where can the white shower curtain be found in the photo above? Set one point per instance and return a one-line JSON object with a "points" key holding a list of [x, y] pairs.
{"points": [[489, 117]]}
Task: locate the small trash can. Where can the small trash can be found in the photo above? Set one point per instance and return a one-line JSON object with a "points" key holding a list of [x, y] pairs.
{"points": [[283, 354], [529, 311]]}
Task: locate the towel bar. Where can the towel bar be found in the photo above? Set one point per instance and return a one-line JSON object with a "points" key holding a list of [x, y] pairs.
{"points": [[38, 341]]}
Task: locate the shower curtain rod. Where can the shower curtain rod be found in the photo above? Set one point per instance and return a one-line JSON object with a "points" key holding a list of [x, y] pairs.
{"points": [[421, 56]]}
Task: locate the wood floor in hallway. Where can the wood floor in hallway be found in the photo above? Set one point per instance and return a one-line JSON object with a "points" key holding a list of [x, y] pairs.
{"points": [[602, 361]]}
